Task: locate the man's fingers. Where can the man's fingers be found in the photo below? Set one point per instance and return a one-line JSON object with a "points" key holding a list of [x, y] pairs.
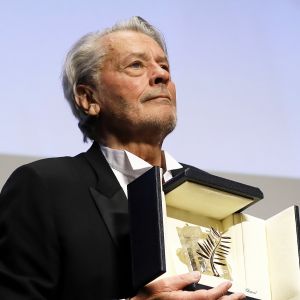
{"points": [[213, 293], [171, 288], [179, 282], [220, 291], [173, 283], [236, 296]]}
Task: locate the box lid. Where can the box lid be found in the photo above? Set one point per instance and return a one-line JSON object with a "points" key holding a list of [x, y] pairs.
{"points": [[209, 195]]}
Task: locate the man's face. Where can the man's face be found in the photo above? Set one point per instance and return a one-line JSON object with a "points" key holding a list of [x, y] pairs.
{"points": [[136, 94]]}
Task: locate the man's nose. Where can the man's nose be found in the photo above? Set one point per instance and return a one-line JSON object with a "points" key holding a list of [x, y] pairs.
{"points": [[159, 75]]}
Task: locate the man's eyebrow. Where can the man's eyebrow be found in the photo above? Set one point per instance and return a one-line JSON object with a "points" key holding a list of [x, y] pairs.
{"points": [[144, 56], [141, 55]]}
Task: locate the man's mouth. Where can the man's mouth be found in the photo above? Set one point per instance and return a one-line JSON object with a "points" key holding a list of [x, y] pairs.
{"points": [[157, 97]]}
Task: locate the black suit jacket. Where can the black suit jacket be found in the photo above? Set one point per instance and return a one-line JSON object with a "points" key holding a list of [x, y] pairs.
{"points": [[64, 231]]}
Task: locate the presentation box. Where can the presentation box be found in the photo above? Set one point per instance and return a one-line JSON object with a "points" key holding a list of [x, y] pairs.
{"points": [[195, 222]]}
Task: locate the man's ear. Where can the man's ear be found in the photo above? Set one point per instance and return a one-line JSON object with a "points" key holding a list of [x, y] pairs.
{"points": [[86, 100]]}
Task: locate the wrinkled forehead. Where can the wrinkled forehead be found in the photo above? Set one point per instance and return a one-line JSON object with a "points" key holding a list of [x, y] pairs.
{"points": [[124, 42]]}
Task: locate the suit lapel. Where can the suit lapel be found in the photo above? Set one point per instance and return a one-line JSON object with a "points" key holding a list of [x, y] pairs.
{"points": [[109, 196], [114, 212]]}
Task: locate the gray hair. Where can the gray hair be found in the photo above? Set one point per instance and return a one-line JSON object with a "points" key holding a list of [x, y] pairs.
{"points": [[83, 66]]}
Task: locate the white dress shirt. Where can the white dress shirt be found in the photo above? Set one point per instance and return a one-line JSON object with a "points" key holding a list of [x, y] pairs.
{"points": [[127, 166]]}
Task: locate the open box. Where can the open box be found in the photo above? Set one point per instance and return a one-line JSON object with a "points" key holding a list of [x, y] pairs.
{"points": [[199, 225]]}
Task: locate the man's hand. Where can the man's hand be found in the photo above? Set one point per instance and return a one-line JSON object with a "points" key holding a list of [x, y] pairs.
{"points": [[172, 288]]}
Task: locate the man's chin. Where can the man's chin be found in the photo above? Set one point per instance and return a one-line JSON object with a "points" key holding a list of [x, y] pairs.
{"points": [[162, 126]]}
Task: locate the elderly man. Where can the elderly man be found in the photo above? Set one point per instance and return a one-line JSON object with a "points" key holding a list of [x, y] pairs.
{"points": [[64, 221]]}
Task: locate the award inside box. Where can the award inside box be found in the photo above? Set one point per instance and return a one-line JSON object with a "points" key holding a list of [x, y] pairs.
{"points": [[198, 224]]}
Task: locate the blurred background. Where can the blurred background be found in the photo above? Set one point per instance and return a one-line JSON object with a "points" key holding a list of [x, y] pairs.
{"points": [[236, 65]]}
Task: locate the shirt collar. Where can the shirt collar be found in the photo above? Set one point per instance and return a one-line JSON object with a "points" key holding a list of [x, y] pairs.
{"points": [[131, 165]]}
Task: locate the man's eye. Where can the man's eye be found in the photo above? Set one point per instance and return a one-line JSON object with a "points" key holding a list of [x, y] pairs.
{"points": [[165, 67], [136, 65]]}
